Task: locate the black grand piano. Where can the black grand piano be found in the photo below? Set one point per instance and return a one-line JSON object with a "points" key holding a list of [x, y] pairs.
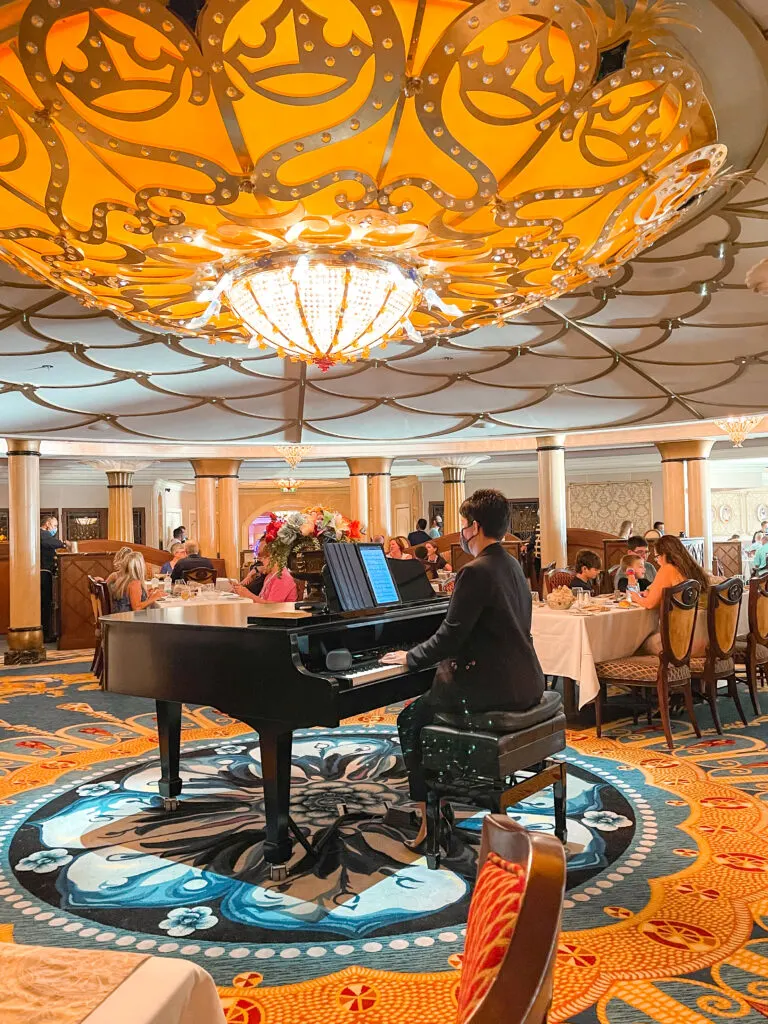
{"points": [[268, 666]]}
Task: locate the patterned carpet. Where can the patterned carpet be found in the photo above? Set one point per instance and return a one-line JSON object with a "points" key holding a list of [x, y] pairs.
{"points": [[666, 917]]}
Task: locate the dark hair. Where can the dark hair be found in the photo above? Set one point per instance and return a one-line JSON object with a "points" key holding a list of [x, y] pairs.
{"points": [[421, 524], [658, 524], [420, 552], [676, 554], [636, 542], [587, 560], [178, 531], [490, 510]]}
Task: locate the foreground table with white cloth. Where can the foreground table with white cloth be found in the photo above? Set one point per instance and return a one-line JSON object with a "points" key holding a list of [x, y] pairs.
{"points": [[570, 643], [163, 990]]}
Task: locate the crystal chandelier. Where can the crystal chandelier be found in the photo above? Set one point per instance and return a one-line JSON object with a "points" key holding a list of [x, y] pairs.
{"points": [[293, 453], [289, 485], [738, 428], [324, 307], [319, 178]]}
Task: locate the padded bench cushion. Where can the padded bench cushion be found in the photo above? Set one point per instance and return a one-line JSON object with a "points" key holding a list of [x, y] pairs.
{"points": [[490, 755], [551, 704]]}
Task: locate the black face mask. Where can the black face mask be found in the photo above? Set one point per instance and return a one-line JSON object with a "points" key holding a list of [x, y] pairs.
{"points": [[463, 540]]}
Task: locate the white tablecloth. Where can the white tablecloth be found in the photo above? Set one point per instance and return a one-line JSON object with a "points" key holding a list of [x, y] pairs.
{"points": [[163, 990], [196, 602], [570, 644]]}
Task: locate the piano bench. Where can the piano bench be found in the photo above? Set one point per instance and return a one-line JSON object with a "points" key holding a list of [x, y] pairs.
{"points": [[477, 758]]}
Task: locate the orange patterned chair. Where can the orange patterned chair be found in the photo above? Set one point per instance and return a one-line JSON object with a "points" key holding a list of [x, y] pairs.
{"points": [[723, 605], [513, 927]]}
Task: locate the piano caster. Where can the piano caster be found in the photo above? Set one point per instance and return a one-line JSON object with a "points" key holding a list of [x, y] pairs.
{"points": [[171, 803], [433, 861], [278, 872]]}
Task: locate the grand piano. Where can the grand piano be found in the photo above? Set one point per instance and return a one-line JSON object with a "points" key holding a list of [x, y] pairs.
{"points": [[266, 665]]}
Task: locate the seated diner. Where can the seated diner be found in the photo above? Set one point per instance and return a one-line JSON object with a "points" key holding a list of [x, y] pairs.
{"points": [[192, 559], [126, 585], [588, 566], [632, 567], [432, 560], [398, 548], [279, 586], [176, 552], [637, 545]]}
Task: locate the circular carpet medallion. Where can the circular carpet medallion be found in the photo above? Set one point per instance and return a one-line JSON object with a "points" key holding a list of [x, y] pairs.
{"points": [[99, 860]]}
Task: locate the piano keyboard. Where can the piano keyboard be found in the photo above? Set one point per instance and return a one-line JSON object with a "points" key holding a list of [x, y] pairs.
{"points": [[367, 667]]}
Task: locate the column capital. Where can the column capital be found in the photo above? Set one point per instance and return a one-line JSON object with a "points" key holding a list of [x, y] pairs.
{"points": [[22, 446], [118, 465], [684, 451], [455, 461], [370, 467], [216, 468], [550, 442]]}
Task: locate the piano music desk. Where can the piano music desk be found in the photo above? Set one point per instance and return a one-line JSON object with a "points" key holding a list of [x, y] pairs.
{"points": [[269, 674]]}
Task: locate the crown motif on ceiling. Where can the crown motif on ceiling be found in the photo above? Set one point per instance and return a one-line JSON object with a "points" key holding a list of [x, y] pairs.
{"points": [[320, 178]]}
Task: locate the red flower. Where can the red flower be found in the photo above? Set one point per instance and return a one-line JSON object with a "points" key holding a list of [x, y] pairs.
{"points": [[274, 524], [355, 533]]}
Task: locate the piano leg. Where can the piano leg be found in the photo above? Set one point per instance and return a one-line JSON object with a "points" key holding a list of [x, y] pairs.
{"points": [[169, 737], [276, 774]]}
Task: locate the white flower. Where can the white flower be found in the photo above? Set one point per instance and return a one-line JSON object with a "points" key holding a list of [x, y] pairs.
{"points": [[287, 534], [44, 861], [230, 748], [605, 821], [185, 920], [97, 788]]}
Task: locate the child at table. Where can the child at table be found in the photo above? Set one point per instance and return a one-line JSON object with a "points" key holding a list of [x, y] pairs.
{"points": [[588, 566], [637, 565]]}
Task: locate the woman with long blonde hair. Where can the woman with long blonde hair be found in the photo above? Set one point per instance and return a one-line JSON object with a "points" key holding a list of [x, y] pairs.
{"points": [[127, 586], [120, 556]]}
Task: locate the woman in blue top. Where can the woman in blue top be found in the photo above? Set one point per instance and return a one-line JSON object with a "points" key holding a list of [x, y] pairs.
{"points": [[176, 552], [127, 586]]}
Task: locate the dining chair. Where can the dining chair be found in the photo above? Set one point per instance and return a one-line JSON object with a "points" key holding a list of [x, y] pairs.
{"points": [[555, 578], [666, 673], [513, 926], [101, 604], [200, 574], [750, 653], [723, 606], [545, 570]]}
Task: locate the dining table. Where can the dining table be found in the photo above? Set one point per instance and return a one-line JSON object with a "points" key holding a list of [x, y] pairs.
{"points": [[571, 642]]}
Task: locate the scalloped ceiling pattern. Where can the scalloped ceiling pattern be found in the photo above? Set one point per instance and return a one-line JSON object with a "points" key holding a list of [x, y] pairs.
{"points": [[673, 336]]}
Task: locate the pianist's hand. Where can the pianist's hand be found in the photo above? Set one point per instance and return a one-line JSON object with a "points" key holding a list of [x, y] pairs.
{"points": [[394, 658]]}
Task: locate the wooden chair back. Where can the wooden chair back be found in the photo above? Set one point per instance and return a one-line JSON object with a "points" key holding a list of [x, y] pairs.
{"points": [[677, 621], [520, 990], [545, 569], [723, 606], [200, 574], [555, 578], [758, 608]]}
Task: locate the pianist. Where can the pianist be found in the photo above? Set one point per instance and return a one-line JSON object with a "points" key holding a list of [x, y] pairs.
{"points": [[483, 649]]}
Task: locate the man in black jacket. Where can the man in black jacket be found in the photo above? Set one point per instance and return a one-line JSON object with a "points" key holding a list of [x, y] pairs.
{"points": [[192, 560], [50, 543], [483, 647]]}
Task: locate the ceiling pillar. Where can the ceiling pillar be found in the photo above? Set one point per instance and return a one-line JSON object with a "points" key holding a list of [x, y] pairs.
{"points": [[553, 523], [120, 489], [217, 493], [377, 473], [358, 496], [25, 635], [687, 493], [454, 469]]}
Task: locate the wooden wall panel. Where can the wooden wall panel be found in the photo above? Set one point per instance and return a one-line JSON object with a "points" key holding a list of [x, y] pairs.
{"points": [[76, 627]]}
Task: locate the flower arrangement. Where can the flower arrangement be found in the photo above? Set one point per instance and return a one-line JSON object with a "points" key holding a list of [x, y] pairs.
{"points": [[307, 531]]}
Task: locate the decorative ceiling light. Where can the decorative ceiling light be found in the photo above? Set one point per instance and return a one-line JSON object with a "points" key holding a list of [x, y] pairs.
{"points": [[86, 521], [738, 428], [289, 486], [323, 177], [293, 453]]}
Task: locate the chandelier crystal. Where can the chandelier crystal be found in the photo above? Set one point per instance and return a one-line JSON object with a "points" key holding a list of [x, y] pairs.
{"points": [[293, 453], [319, 176], [323, 308], [738, 428], [289, 485]]}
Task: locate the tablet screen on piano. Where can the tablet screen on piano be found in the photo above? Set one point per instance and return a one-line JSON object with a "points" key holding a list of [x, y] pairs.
{"points": [[379, 575]]}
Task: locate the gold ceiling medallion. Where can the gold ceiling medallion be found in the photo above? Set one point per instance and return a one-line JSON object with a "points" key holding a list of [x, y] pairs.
{"points": [[738, 428], [293, 453], [324, 177]]}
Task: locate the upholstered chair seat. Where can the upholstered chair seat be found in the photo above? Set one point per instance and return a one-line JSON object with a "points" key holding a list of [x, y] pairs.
{"points": [[641, 668]]}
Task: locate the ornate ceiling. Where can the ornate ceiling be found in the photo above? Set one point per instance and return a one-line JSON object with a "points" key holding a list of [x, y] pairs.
{"points": [[674, 336]]}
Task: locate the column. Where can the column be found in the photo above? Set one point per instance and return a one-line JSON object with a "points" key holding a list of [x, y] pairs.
{"points": [[25, 635], [377, 473], [552, 503], [120, 490], [674, 460], [358, 497], [205, 499], [700, 500], [454, 469], [229, 516]]}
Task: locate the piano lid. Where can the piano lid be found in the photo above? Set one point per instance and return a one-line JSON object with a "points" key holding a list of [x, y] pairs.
{"points": [[225, 615]]}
